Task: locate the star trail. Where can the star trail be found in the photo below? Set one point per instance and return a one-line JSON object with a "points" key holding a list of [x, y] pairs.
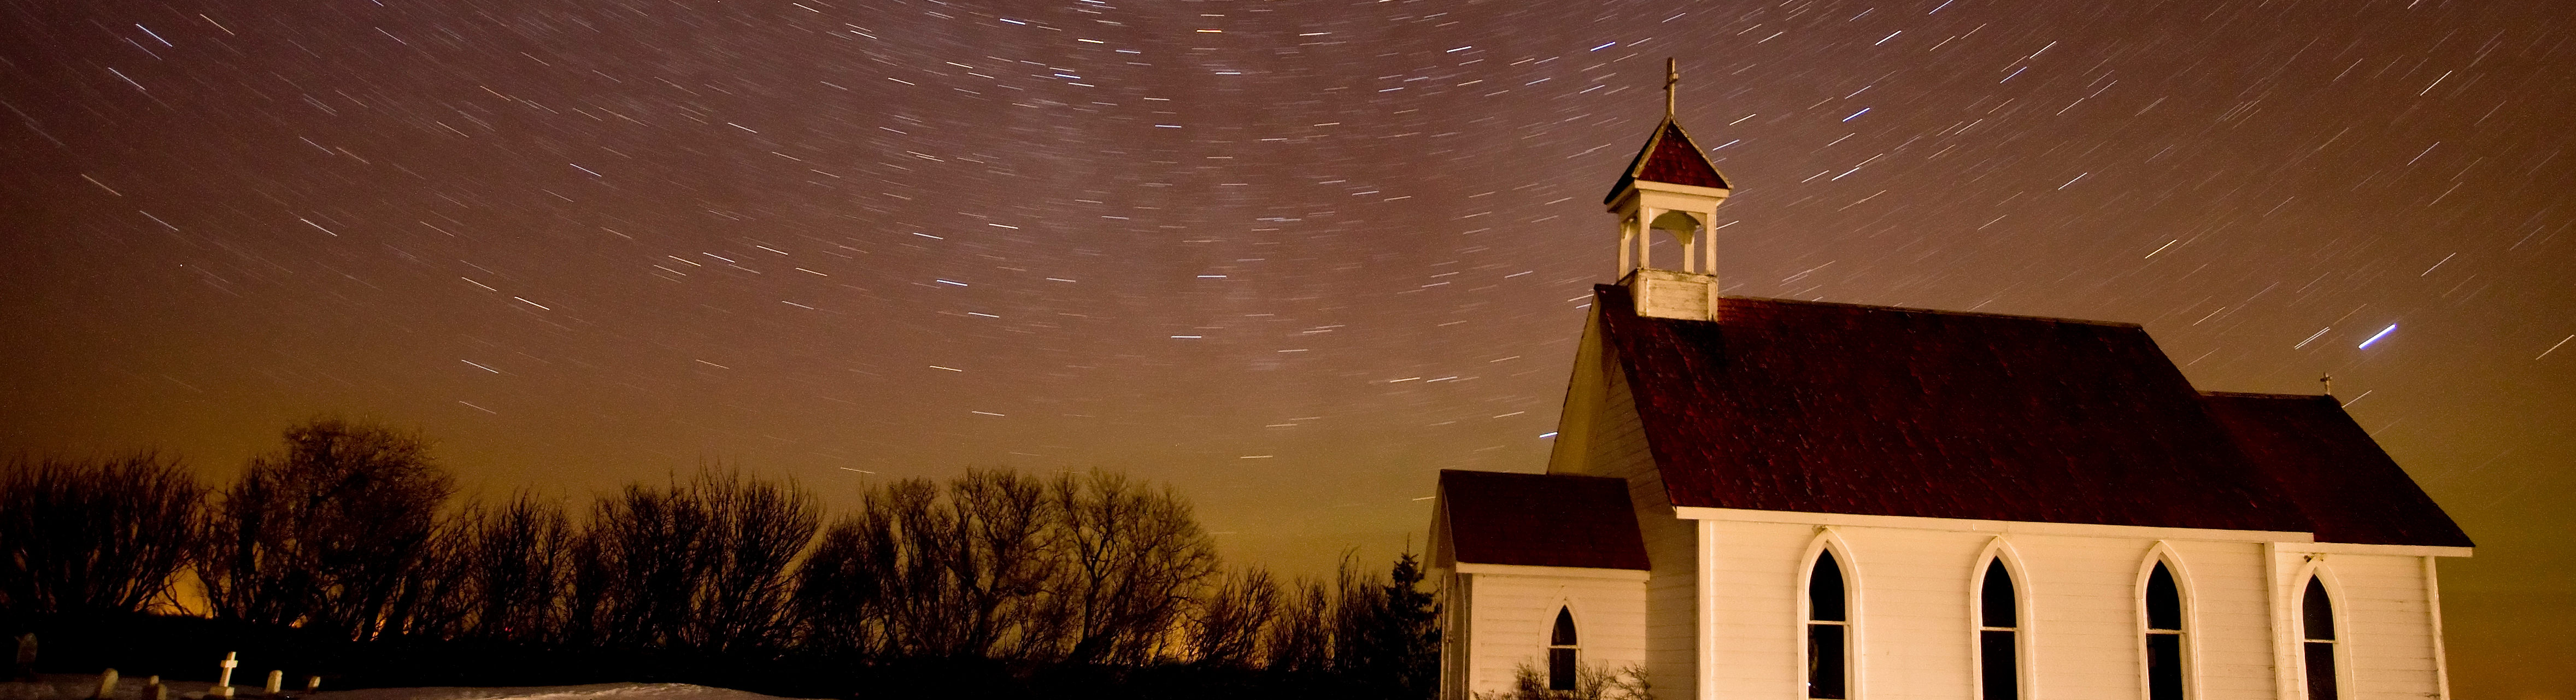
{"points": [[1290, 257]]}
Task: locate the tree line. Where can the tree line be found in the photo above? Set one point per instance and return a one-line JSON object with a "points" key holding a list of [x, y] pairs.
{"points": [[354, 529]]}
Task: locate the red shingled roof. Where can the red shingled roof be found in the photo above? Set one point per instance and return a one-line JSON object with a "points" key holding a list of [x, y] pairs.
{"points": [[1668, 156], [1841, 408], [1541, 520], [2333, 471]]}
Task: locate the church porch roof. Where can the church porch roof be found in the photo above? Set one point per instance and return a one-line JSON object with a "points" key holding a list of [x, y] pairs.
{"points": [[1541, 520]]}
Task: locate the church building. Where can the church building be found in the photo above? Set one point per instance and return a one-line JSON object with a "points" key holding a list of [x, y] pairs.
{"points": [[1770, 498]]}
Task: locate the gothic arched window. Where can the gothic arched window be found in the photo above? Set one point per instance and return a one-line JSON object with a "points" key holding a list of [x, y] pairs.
{"points": [[1828, 630], [1560, 652], [1998, 635], [2318, 617], [2164, 636]]}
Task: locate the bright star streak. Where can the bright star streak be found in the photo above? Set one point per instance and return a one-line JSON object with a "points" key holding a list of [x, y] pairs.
{"points": [[2383, 333]]}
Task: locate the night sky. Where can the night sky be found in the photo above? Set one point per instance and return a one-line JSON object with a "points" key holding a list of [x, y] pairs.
{"points": [[1290, 257]]}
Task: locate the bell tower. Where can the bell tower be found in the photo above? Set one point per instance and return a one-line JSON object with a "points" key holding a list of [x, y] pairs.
{"points": [[1671, 187]]}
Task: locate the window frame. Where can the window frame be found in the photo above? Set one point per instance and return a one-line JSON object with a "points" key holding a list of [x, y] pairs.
{"points": [[2188, 651], [2336, 614], [2000, 550], [1829, 542], [1573, 680]]}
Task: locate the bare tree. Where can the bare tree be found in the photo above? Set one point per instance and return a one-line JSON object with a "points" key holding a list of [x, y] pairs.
{"points": [[702, 566], [646, 540], [883, 579], [1353, 609], [913, 574], [757, 531], [1320, 622], [591, 589], [1301, 640], [1233, 619], [1090, 568], [1591, 682], [436, 597], [95, 535], [840, 591], [329, 530], [515, 565], [1133, 557], [1002, 561]]}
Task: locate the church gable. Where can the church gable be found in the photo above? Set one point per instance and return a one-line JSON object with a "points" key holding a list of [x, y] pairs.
{"points": [[1599, 433], [1841, 408]]}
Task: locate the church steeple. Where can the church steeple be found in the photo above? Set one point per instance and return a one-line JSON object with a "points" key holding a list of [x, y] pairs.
{"points": [[1670, 186]]}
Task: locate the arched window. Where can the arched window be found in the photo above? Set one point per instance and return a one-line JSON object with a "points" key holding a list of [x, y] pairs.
{"points": [[1560, 652], [1998, 632], [2164, 636], [1828, 630], [2318, 615]]}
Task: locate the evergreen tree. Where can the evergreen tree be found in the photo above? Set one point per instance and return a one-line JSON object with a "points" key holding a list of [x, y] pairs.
{"points": [[1396, 649], [1413, 619]]}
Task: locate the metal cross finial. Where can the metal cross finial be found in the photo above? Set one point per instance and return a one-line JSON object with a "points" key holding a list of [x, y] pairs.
{"points": [[2328, 380], [1672, 74]]}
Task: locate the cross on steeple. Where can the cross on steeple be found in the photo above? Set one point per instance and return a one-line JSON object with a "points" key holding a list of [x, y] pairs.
{"points": [[1672, 75]]}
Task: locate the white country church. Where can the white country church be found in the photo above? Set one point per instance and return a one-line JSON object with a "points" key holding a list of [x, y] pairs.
{"points": [[1767, 498]]}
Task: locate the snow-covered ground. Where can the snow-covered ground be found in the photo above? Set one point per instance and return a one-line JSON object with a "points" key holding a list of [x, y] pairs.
{"points": [[81, 686], [602, 691]]}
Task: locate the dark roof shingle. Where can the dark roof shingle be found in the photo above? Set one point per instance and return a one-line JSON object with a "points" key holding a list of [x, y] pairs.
{"points": [[2333, 471], [1541, 520], [1668, 156], [1841, 408]]}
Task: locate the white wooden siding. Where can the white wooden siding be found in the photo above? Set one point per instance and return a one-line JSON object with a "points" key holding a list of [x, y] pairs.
{"points": [[2230, 614], [2084, 606], [1513, 615], [1457, 613], [1913, 630], [1915, 625], [2386, 623], [1758, 635], [2082, 613]]}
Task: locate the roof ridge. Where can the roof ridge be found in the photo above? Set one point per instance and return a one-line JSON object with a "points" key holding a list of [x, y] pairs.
{"points": [[1943, 312], [2264, 395], [1546, 474]]}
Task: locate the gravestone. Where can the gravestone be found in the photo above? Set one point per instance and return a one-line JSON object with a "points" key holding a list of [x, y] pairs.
{"points": [[224, 682], [25, 668]]}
